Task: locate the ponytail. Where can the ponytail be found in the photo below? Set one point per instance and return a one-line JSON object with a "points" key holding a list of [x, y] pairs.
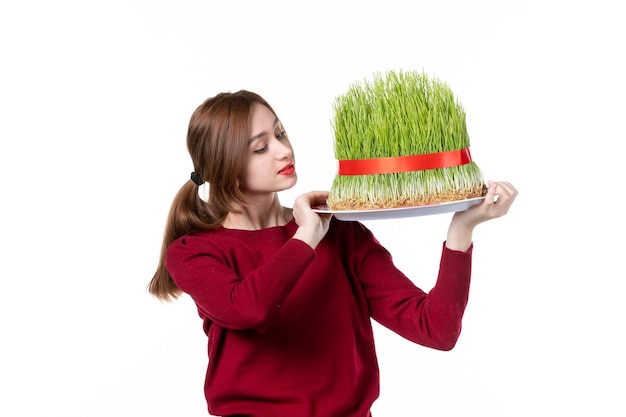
{"points": [[188, 213]]}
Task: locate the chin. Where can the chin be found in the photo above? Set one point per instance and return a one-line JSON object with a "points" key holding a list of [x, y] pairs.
{"points": [[293, 179]]}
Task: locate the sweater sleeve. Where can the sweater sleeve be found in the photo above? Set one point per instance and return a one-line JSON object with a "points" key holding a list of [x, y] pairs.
{"points": [[226, 295], [431, 319]]}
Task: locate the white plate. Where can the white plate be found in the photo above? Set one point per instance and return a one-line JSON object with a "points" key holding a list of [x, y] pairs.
{"points": [[400, 212]]}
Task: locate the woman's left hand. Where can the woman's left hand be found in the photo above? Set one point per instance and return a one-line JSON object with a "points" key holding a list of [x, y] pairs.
{"points": [[498, 200]]}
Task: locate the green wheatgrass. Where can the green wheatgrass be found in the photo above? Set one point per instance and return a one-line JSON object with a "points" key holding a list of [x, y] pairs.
{"points": [[400, 113]]}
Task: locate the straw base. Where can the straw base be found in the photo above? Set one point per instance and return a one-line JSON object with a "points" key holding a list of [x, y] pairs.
{"points": [[422, 200]]}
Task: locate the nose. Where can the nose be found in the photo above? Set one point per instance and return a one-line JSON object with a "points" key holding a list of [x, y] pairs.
{"points": [[283, 150]]}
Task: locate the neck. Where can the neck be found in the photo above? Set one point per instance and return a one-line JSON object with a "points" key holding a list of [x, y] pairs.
{"points": [[258, 215]]}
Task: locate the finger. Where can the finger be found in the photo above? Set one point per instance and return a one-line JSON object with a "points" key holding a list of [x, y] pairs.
{"points": [[492, 191], [326, 217], [506, 186], [506, 197], [507, 190], [317, 197]]}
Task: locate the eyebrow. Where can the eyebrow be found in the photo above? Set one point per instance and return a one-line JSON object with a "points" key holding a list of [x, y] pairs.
{"points": [[260, 135]]}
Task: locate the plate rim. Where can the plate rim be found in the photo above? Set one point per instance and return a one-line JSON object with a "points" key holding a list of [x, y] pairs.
{"points": [[392, 209]]}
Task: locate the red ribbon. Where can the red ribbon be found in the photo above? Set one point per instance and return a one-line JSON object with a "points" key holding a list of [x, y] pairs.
{"points": [[404, 163]]}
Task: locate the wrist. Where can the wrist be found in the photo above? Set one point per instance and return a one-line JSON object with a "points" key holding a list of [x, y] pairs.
{"points": [[307, 237], [459, 236]]}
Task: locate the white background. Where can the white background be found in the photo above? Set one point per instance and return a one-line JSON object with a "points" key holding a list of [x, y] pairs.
{"points": [[95, 98]]}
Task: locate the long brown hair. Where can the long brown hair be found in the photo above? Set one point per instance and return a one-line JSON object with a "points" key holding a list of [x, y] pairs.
{"points": [[217, 141]]}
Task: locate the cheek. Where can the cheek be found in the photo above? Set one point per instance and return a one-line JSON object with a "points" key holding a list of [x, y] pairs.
{"points": [[252, 174], [245, 178]]}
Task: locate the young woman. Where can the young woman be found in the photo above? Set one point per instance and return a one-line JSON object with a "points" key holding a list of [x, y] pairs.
{"points": [[286, 295]]}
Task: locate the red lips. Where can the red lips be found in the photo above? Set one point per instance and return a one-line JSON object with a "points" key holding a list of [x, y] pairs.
{"points": [[287, 170]]}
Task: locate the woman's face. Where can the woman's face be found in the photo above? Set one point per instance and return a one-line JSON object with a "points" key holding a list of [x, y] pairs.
{"points": [[270, 165]]}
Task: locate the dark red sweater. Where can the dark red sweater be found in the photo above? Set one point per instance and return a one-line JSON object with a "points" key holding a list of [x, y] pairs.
{"points": [[289, 330]]}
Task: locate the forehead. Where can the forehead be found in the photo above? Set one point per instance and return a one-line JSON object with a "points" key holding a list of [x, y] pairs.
{"points": [[261, 119], [259, 112]]}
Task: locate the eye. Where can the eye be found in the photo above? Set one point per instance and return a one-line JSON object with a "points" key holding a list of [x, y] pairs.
{"points": [[282, 134], [261, 150]]}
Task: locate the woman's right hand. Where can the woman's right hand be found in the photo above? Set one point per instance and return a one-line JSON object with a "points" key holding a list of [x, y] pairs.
{"points": [[312, 227]]}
